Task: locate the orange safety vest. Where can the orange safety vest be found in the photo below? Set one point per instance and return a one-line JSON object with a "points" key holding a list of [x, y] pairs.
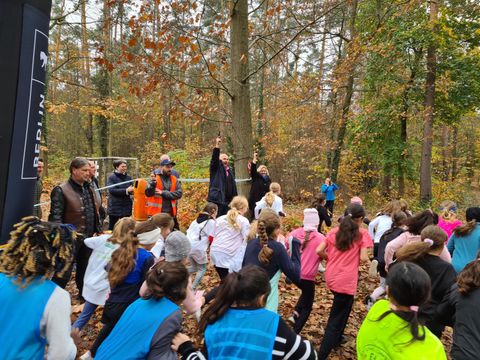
{"points": [[139, 200], [154, 203]]}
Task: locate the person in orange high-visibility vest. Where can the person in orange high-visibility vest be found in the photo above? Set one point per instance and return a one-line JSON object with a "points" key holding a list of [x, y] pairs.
{"points": [[163, 192]]}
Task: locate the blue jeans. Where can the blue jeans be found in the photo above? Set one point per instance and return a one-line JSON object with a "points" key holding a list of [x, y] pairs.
{"points": [[200, 269], [87, 312]]}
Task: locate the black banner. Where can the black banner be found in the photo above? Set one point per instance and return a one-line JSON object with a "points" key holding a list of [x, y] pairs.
{"points": [[29, 110]]}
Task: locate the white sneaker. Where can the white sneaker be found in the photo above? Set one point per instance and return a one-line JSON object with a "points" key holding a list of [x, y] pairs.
{"points": [[86, 356], [372, 271]]}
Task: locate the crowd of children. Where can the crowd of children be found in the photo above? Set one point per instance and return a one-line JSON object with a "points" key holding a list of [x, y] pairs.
{"points": [[141, 274]]}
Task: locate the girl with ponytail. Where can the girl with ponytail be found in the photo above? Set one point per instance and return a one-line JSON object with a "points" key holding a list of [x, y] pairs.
{"points": [[265, 251], [127, 270], [447, 220], [426, 254], [96, 286], [344, 248], [147, 327], [465, 241], [414, 225], [392, 329], [310, 238], [271, 200], [200, 233], [230, 235], [236, 325]]}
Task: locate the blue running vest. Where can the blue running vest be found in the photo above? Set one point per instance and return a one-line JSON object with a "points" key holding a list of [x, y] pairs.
{"points": [[131, 337], [242, 334], [21, 310]]}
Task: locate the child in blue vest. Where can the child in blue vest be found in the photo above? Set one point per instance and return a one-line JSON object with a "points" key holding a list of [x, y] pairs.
{"points": [[236, 325], [147, 327], [127, 271], [35, 312]]}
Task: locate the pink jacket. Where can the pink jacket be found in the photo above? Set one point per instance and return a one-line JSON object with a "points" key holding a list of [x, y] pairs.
{"points": [[406, 238], [309, 259]]}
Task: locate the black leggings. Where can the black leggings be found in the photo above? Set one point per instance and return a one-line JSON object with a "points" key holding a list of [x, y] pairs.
{"points": [[337, 321], [304, 304], [222, 273], [112, 312], [329, 205]]}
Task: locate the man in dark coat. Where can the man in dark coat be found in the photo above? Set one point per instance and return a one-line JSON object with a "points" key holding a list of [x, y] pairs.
{"points": [[222, 187], [119, 200], [73, 202], [260, 184]]}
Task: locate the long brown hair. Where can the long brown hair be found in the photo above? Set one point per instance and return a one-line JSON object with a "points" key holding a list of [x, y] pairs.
{"points": [[469, 278], [417, 250], [418, 222], [243, 289], [122, 230], [268, 222], [123, 259], [473, 216], [349, 231], [168, 279], [391, 207]]}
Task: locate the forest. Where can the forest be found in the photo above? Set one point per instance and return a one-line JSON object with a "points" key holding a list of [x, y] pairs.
{"points": [[382, 96]]}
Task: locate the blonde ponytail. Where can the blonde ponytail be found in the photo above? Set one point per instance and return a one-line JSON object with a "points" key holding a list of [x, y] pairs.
{"points": [[237, 204]]}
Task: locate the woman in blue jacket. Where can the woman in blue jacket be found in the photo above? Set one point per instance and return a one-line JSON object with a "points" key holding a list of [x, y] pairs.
{"points": [[329, 189], [464, 243]]}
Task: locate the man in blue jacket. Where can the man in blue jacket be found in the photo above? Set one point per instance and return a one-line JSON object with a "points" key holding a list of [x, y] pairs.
{"points": [[329, 189], [222, 187]]}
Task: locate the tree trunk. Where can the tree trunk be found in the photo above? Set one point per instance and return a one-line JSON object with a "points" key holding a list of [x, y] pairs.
{"points": [[86, 73], [426, 160], [241, 112], [103, 84], [454, 153], [445, 152], [347, 100]]}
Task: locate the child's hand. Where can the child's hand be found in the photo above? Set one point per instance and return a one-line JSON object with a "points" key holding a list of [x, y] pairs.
{"points": [[179, 340]]}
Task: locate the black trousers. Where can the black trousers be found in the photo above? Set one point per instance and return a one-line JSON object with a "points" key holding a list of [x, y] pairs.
{"points": [[112, 221], [304, 304], [329, 205], [82, 255], [222, 273], [337, 321], [112, 312]]}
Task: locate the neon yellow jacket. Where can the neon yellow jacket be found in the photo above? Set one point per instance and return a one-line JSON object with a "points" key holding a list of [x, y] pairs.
{"points": [[389, 338]]}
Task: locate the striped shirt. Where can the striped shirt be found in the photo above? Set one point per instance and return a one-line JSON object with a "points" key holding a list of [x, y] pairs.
{"points": [[288, 345]]}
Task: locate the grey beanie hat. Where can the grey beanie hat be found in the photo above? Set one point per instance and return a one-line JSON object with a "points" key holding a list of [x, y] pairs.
{"points": [[177, 247]]}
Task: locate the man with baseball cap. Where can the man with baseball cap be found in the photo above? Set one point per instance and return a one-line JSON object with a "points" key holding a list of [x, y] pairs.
{"points": [[164, 191]]}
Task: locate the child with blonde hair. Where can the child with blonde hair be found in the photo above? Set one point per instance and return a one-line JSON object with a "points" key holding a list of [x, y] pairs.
{"points": [[230, 237], [271, 200], [447, 219]]}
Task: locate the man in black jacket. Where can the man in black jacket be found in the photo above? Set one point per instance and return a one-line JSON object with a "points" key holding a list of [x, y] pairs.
{"points": [[73, 202], [222, 187]]}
